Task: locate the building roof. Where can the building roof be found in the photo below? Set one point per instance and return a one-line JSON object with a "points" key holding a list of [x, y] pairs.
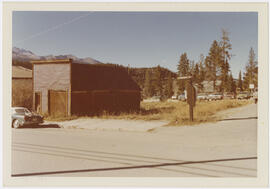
{"points": [[21, 72], [52, 61]]}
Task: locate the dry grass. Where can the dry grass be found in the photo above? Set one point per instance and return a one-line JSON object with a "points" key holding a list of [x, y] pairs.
{"points": [[177, 113], [59, 118]]}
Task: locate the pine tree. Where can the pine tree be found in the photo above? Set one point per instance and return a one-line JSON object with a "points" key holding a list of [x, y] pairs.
{"points": [[157, 82], [148, 88], [192, 67], [251, 74], [231, 87], [183, 70], [212, 62], [201, 72], [169, 87], [196, 74], [224, 76], [225, 46], [240, 83], [183, 66]]}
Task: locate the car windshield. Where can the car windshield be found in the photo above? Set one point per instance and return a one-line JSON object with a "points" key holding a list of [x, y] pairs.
{"points": [[22, 111]]}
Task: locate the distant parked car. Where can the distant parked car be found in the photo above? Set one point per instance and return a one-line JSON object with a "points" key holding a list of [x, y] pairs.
{"points": [[182, 97], [22, 116], [174, 97], [202, 96], [228, 96], [243, 95], [215, 96]]}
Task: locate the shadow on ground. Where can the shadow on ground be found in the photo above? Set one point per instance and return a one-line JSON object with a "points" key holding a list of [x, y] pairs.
{"points": [[41, 126], [240, 118]]}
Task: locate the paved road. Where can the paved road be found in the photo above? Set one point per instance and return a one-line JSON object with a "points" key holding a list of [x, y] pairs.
{"points": [[223, 149]]}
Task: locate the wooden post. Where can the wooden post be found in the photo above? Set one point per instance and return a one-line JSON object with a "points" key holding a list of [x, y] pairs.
{"points": [[190, 112], [70, 89], [191, 95]]}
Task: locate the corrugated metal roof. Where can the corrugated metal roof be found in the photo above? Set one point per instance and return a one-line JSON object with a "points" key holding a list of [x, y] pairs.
{"points": [[21, 72]]}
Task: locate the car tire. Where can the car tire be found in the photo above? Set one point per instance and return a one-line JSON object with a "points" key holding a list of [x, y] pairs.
{"points": [[16, 124]]}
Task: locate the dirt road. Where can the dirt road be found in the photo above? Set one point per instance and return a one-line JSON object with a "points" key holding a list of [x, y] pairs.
{"points": [[223, 149]]}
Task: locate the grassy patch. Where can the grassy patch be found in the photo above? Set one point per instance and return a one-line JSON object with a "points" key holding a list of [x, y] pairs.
{"points": [[177, 113]]}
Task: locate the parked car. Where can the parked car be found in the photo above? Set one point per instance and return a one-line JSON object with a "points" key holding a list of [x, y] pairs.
{"points": [[215, 96], [243, 95], [202, 96], [228, 96], [182, 97], [174, 97], [22, 116]]}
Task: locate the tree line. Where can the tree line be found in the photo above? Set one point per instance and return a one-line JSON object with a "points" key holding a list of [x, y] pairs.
{"points": [[215, 66], [212, 68]]}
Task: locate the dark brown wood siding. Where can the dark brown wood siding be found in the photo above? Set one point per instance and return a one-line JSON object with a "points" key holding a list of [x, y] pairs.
{"points": [[87, 77], [99, 101], [100, 87]]}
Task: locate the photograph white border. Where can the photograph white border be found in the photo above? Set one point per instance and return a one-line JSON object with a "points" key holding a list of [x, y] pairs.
{"points": [[262, 162]]}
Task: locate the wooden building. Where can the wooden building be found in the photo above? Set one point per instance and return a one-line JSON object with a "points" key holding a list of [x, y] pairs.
{"points": [[61, 87], [22, 87]]}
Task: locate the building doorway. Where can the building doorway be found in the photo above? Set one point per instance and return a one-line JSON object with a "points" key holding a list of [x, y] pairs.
{"points": [[38, 102]]}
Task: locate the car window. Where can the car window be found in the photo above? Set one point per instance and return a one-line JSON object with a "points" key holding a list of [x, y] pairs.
{"points": [[27, 111], [22, 111]]}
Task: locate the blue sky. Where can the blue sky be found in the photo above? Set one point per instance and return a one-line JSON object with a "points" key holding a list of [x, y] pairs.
{"points": [[138, 39]]}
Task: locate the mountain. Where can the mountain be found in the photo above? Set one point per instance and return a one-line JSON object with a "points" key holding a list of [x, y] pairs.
{"points": [[22, 55]]}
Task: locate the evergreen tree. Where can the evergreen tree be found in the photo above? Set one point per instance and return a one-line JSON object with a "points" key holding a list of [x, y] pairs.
{"points": [[148, 88], [157, 82], [192, 67], [212, 62], [251, 74], [201, 72], [230, 84], [225, 46], [240, 83], [183, 70], [232, 87], [196, 74], [224, 76], [169, 87], [183, 66]]}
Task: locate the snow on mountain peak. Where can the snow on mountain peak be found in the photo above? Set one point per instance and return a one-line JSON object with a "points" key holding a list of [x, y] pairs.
{"points": [[26, 55]]}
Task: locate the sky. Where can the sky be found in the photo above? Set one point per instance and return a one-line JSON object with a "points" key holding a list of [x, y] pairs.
{"points": [[138, 39]]}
